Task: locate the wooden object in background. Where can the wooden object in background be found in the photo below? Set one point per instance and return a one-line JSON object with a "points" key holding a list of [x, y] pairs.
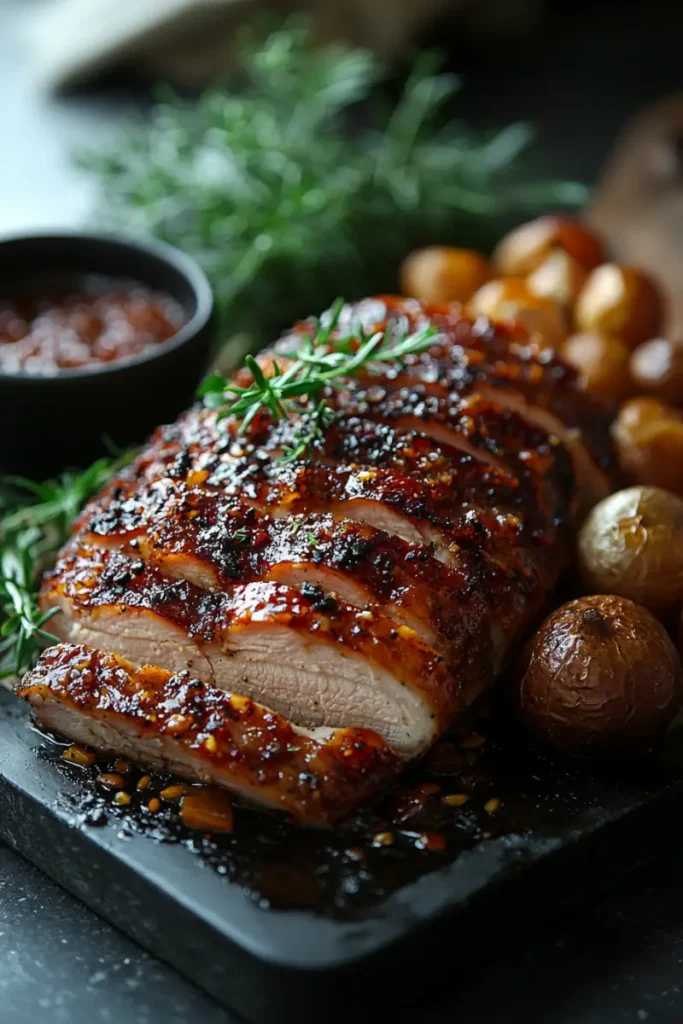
{"points": [[638, 204]]}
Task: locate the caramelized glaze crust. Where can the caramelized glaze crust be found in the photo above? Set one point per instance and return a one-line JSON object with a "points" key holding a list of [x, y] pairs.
{"points": [[203, 733], [473, 355], [108, 594], [380, 579], [217, 541]]}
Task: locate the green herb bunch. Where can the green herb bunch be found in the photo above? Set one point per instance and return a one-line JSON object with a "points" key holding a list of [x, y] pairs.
{"points": [[328, 359], [36, 521], [287, 202]]}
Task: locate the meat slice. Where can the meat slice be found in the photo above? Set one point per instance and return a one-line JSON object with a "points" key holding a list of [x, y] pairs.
{"points": [[399, 482], [215, 542], [319, 660], [178, 723], [495, 362]]}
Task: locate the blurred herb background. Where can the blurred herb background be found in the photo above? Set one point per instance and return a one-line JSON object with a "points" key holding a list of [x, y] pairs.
{"points": [[305, 177]]}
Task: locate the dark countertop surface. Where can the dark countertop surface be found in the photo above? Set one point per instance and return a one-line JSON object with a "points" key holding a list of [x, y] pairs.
{"points": [[616, 962]]}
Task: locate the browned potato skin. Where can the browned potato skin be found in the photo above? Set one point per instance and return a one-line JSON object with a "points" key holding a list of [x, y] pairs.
{"points": [[657, 369], [441, 274], [621, 301], [509, 300], [560, 277], [527, 246], [603, 364], [600, 677], [632, 544], [648, 436]]}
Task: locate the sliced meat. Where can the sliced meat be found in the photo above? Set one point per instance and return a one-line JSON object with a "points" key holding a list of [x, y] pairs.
{"points": [[403, 484], [376, 579], [493, 361], [319, 660], [178, 723], [214, 541]]}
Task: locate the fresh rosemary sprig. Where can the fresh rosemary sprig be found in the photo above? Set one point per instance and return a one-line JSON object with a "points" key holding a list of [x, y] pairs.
{"points": [[36, 521], [23, 632], [264, 181], [326, 360]]}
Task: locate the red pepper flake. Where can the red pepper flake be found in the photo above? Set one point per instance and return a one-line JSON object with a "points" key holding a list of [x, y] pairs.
{"points": [[207, 810], [112, 780], [433, 842], [80, 756], [172, 792]]}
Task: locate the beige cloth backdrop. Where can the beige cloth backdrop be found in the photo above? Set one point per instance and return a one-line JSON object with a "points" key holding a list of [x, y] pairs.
{"points": [[192, 40]]}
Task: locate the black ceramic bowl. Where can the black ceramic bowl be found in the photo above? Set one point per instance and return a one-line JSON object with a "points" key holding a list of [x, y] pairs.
{"points": [[50, 423]]}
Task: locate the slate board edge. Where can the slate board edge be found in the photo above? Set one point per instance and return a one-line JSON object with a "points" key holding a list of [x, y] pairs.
{"points": [[252, 959]]}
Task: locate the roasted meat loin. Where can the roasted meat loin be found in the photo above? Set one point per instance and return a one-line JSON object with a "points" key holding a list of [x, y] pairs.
{"points": [[199, 732], [377, 582]]}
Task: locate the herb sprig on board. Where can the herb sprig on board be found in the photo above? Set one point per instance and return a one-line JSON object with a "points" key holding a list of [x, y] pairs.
{"points": [[36, 521], [328, 359], [300, 180]]}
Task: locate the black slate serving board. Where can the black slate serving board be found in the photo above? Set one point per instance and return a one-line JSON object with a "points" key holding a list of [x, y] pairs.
{"points": [[276, 916]]}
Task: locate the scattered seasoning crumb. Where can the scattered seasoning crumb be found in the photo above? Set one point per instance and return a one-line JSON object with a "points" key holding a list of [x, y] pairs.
{"points": [[492, 805], [383, 839], [80, 756], [154, 805], [207, 810], [455, 799], [122, 798], [112, 780], [122, 766], [473, 741], [432, 841], [486, 835], [210, 744], [430, 788], [143, 783], [172, 793]]}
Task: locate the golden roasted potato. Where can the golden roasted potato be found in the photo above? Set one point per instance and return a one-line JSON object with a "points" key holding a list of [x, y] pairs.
{"points": [[441, 274], [621, 301], [603, 364], [648, 435], [527, 246], [560, 277], [657, 369], [600, 677], [632, 544], [511, 301]]}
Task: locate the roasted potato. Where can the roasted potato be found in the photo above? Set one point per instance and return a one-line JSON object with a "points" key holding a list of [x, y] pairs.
{"points": [[441, 274], [632, 544], [560, 277], [603, 364], [648, 435], [620, 301], [657, 369], [524, 248], [600, 677], [510, 300]]}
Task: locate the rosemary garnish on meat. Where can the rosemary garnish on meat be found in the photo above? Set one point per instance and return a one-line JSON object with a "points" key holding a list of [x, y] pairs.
{"points": [[330, 359], [36, 521]]}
